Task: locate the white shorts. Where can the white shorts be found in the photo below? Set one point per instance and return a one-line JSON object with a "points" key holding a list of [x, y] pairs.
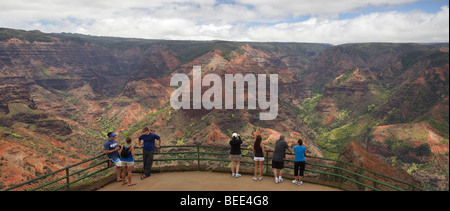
{"points": [[258, 158], [116, 161], [127, 163]]}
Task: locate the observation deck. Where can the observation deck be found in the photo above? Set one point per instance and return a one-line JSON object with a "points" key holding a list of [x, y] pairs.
{"points": [[210, 181], [202, 168]]}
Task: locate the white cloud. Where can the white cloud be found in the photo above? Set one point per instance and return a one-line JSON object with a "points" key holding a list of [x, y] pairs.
{"points": [[286, 8], [413, 26], [241, 20]]}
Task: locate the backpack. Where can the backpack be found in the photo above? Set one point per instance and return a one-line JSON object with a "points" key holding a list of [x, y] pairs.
{"points": [[125, 152]]}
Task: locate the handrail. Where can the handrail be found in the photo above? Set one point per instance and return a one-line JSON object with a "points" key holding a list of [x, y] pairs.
{"points": [[71, 178], [67, 175]]}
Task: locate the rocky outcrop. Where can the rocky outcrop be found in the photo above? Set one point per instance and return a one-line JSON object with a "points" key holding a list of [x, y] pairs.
{"points": [[14, 94], [62, 65], [156, 62], [24, 109], [354, 153]]}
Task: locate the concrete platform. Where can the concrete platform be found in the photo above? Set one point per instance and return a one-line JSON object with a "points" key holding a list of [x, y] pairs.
{"points": [[209, 181]]}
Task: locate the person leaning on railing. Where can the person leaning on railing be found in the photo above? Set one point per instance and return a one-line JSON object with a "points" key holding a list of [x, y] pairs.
{"points": [[299, 162], [279, 154], [148, 149], [111, 149]]}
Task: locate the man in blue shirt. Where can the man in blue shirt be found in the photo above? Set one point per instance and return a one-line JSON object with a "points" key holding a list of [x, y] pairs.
{"points": [[111, 150], [148, 149], [299, 162]]}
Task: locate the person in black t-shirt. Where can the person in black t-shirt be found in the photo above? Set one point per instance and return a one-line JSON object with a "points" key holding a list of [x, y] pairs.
{"points": [[258, 150], [235, 155]]}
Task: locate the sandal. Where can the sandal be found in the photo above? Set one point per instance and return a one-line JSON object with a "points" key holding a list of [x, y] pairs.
{"points": [[143, 176]]}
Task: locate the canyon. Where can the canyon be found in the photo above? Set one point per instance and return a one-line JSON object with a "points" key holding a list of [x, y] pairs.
{"points": [[61, 93]]}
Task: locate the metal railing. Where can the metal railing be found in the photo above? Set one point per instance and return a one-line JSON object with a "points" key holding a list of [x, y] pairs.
{"points": [[324, 171], [72, 177]]}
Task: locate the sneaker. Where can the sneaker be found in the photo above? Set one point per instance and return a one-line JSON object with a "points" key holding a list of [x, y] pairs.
{"points": [[299, 183], [233, 174], [238, 175], [260, 178], [276, 180], [280, 179], [254, 179], [295, 182]]}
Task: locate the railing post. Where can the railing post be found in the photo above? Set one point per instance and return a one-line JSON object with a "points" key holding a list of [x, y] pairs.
{"points": [[267, 162], [339, 172], [198, 157], [67, 179]]}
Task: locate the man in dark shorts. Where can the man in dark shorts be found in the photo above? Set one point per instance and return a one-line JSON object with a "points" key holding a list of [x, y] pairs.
{"points": [[278, 158]]}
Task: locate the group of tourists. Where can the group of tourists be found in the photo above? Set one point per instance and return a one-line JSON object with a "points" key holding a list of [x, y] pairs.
{"points": [[279, 154], [122, 156]]}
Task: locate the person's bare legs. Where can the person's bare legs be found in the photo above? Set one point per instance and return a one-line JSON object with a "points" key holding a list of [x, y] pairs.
{"points": [[117, 170], [280, 177], [260, 168], [130, 169], [232, 166], [256, 168], [275, 173], [124, 174]]}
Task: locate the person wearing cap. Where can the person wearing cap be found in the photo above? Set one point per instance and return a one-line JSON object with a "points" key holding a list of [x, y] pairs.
{"points": [[235, 154], [278, 158], [111, 150]]}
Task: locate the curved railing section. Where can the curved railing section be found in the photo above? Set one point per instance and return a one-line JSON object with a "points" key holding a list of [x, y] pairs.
{"points": [[324, 171]]}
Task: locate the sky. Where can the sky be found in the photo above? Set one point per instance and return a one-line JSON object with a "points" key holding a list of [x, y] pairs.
{"points": [[312, 21]]}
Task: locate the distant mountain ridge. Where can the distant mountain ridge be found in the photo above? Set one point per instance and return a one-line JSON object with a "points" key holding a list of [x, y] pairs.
{"points": [[61, 93]]}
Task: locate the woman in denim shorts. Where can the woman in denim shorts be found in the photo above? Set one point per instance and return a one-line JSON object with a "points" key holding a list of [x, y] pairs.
{"points": [[127, 159]]}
